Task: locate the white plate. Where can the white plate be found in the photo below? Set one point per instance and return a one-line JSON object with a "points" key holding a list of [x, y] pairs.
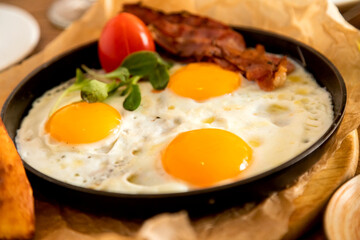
{"points": [[19, 34]]}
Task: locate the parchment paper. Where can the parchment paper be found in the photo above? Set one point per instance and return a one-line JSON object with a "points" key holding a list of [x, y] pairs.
{"points": [[314, 22]]}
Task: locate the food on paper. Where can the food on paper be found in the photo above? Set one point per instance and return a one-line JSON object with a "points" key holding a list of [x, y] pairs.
{"points": [[150, 126]]}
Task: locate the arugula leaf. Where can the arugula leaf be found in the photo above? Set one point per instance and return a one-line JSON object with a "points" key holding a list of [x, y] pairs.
{"points": [[132, 101]]}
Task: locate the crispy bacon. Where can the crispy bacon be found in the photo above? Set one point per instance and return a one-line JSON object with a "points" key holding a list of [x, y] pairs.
{"points": [[204, 39], [187, 35]]}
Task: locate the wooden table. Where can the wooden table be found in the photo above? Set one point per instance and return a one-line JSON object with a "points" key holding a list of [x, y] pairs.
{"points": [[39, 8]]}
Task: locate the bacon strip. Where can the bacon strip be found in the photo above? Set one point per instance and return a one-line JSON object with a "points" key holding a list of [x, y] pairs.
{"points": [[204, 39]]}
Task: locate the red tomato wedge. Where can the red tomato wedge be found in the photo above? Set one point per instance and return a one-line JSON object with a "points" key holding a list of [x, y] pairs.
{"points": [[121, 36]]}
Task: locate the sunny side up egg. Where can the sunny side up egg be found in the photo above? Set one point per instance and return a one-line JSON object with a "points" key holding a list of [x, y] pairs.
{"points": [[208, 127]]}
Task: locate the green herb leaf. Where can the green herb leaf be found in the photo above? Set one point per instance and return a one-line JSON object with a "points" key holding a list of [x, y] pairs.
{"points": [[125, 91], [94, 91], [80, 81], [159, 78], [94, 75], [112, 87], [140, 63], [79, 76], [121, 73], [164, 63], [132, 101]]}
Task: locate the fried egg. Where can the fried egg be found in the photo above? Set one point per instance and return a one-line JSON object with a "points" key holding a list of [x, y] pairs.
{"points": [[209, 127]]}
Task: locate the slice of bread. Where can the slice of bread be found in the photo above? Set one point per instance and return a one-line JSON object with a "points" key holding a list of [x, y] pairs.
{"points": [[17, 220]]}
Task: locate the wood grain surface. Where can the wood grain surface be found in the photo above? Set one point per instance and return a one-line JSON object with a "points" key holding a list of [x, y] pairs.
{"points": [[309, 206]]}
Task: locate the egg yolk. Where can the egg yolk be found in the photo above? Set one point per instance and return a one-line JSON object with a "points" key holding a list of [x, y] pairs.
{"points": [[83, 122], [205, 157], [201, 81]]}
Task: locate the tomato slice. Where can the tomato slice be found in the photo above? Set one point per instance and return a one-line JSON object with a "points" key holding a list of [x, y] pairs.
{"points": [[121, 36]]}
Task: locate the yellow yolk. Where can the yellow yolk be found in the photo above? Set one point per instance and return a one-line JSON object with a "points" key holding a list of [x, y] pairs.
{"points": [[83, 122], [201, 81], [205, 157]]}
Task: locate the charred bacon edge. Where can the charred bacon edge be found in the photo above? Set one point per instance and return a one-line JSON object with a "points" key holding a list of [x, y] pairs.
{"points": [[197, 38]]}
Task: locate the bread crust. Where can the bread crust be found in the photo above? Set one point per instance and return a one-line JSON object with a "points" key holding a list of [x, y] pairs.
{"points": [[17, 220]]}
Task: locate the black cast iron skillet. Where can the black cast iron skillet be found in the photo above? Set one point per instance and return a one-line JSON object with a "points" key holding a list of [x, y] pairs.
{"points": [[63, 68]]}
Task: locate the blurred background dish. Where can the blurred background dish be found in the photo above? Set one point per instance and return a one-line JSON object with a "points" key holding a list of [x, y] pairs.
{"points": [[341, 220], [20, 33], [63, 12]]}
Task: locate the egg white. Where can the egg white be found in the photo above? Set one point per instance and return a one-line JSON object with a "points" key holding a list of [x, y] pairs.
{"points": [[277, 125]]}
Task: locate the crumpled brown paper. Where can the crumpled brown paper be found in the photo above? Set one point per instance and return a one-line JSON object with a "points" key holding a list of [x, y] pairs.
{"points": [[314, 22]]}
